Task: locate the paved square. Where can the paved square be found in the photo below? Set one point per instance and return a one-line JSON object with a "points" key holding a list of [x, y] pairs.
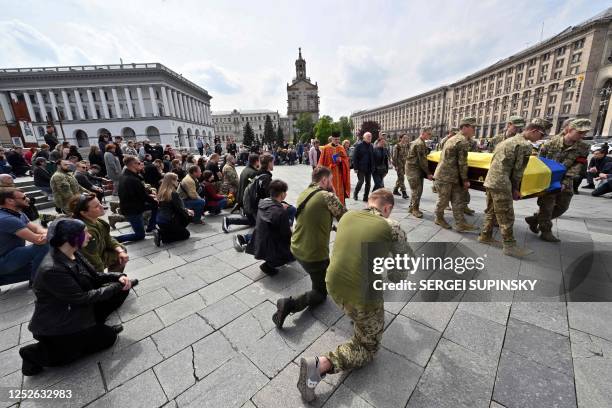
{"points": [[198, 329]]}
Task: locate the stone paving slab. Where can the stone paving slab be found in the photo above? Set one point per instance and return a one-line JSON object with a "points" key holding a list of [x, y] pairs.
{"points": [[198, 329]]}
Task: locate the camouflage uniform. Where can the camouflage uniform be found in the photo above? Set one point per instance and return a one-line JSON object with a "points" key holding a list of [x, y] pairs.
{"points": [[517, 121], [553, 205], [473, 147], [504, 176], [416, 169], [368, 321], [230, 180], [400, 154], [449, 176]]}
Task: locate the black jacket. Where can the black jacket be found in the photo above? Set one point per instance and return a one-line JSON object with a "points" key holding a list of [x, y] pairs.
{"points": [[132, 194], [363, 157], [51, 140], [248, 173], [272, 235], [66, 291], [173, 212], [42, 178], [381, 160], [98, 159], [83, 180], [152, 176]]}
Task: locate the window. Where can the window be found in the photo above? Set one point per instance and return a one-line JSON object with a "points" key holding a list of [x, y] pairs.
{"points": [[559, 63], [531, 62], [552, 99], [546, 56], [567, 108], [544, 68], [536, 113], [573, 70], [542, 78], [520, 66], [568, 95], [556, 75], [530, 72], [579, 44], [560, 51], [537, 101], [569, 83], [519, 77], [576, 57], [550, 111]]}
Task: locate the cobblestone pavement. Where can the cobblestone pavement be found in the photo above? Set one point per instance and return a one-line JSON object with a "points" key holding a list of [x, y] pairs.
{"points": [[198, 329]]}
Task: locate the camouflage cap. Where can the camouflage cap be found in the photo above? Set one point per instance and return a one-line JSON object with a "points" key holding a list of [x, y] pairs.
{"points": [[517, 121], [566, 123], [426, 129], [540, 122], [581, 125], [454, 129], [468, 121]]}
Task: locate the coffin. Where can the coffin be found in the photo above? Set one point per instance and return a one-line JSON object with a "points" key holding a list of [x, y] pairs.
{"points": [[541, 174]]}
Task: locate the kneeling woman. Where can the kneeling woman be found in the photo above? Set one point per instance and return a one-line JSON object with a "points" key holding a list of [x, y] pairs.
{"points": [[172, 216], [73, 301]]}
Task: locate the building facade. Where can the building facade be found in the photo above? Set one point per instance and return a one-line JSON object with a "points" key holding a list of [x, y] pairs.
{"points": [[230, 124], [136, 101], [302, 94], [568, 75]]}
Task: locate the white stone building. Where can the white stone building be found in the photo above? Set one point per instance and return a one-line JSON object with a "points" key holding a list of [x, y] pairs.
{"points": [[230, 124], [302, 94], [136, 101]]}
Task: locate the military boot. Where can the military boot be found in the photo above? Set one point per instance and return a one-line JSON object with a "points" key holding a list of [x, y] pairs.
{"points": [[516, 251], [533, 223], [467, 210], [113, 219], [487, 238], [548, 237], [442, 222], [114, 205], [415, 211], [465, 227], [404, 195], [396, 191]]}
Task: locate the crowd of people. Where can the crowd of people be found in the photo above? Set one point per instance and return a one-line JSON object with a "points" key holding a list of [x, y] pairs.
{"points": [[76, 266]]}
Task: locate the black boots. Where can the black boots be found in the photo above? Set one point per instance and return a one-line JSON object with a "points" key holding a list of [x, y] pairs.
{"points": [[396, 191], [283, 309]]}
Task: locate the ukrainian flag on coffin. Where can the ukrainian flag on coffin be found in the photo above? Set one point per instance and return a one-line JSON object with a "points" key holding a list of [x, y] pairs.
{"points": [[540, 175]]}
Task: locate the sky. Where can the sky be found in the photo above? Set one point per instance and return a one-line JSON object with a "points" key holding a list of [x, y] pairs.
{"points": [[362, 54]]}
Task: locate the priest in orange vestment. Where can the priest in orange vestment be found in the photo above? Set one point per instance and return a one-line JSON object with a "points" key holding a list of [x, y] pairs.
{"points": [[336, 158]]}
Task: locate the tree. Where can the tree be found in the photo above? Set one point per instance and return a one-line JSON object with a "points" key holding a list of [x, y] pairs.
{"points": [[280, 137], [345, 127], [324, 128], [269, 134], [304, 127], [248, 136], [370, 126]]}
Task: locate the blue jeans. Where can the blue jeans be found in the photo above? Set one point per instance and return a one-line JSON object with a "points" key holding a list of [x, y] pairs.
{"points": [[197, 205], [21, 263], [137, 223]]}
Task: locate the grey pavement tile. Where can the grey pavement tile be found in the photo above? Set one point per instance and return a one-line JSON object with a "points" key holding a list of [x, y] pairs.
{"points": [[11, 361], [587, 346], [224, 311], [199, 253], [181, 334], [9, 337], [231, 385], [25, 334], [270, 353], [255, 293], [496, 405], [281, 392], [411, 339], [136, 306], [327, 312], [592, 369], [433, 314], [160, 266], [524, 383], [495, 311], [131, 361], [143, 391], [209, 269], [301, 330], [19, 298], [156, 282], [210, 353], [224, 287], [249, 404], [172, 404], [329, 341], [253, 272], [180, 308], [284, 279], [387, 381], [540, 345], [85, 383], [176, 373], [591, 317], [7, 383], [136, 264], [138, 329], [236, 259], [480, 335], [548, 315], [164, 255], [343, 397], [454, 378], [16, 316], [251, 326]]}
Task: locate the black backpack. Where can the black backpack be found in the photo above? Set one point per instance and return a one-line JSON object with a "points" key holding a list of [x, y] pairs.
{"points": [[253, 193]]}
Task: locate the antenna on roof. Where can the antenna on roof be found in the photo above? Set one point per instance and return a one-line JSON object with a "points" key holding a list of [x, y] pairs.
{"points": [[121, 61], [542, 32]]}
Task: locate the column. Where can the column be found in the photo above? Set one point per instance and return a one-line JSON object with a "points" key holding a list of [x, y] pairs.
{"points": [[177, 111], [53, 105], [92, 104], [6, 107], [67, 110], [191, 111], [104, 103], [41, 107], [606, 130], [165, 101], [128, 99], [31, 111], [143, 113], [77, 98], [153, 101], [182, 106], [208, 117], [116, 103], [171, 110], [186, 106], [199, 109]]}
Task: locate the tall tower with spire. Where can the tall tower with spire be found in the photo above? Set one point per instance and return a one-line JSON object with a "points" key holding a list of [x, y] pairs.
{"points": [[302, 94]]}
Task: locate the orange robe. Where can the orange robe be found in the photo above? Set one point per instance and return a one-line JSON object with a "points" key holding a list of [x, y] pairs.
{"points": [[340, 169]]}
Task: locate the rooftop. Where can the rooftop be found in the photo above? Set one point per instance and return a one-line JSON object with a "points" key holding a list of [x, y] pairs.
{"points": [[243, 111]]}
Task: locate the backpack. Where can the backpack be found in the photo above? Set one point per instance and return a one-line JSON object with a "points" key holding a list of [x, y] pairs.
{"points": [[252, 194]]}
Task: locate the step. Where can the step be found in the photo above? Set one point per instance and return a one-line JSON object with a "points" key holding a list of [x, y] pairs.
{"points": [[44, 205]]}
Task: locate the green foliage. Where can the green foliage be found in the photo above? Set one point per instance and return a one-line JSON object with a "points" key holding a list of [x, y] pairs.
{"points": [[345, 126], [370, 126], [324, 128], [280, 137], [248, 136], [269, 134], [304, 127]]}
